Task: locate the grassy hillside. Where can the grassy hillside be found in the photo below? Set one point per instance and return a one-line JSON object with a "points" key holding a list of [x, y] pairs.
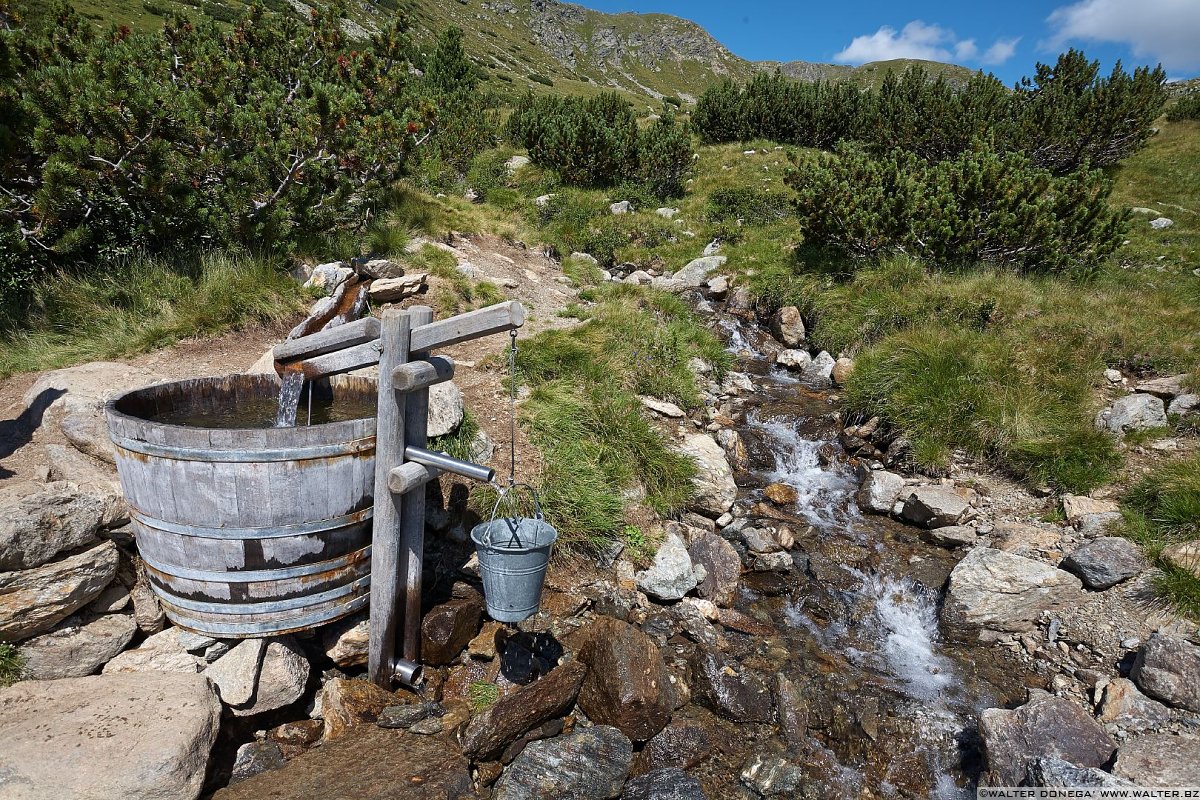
{"points": [[548, 46]]}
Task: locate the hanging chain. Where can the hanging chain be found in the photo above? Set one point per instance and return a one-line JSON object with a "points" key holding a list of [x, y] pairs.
{"points": [[512, 410]]}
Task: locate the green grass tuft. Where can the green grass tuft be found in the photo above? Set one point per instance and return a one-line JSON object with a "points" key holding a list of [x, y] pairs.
{"points": [[142, 306], [12, 665], [1164, 509], [483, 696]]}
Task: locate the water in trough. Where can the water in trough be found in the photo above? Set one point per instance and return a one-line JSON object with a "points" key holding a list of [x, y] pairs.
{"points": [[890, 705], [294, 404]]}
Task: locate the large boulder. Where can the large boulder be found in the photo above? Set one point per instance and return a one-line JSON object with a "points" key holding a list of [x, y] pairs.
{"points": [[673, 574], [1045, 726], [393, 290], [936, 506], [1105, 562], [878, 491], [85, 388], [1160, 760], [43, 520], [590, 764], [1133, 412], [818, 374], [488, 733], [33, 601], [788, 326], [715, 487], [1076, 507], [369, 763], [328, 278], [144, 736], [627, 685], [729, 689], [88, 433], [722, 568], [697, 271], [1184, 404], [1168, 669], [77, 647], [96, 480], [1000, 591], [446, 409]]}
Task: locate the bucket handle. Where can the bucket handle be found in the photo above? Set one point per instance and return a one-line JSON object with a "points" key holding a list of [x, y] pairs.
{"points": [[515, 540]]}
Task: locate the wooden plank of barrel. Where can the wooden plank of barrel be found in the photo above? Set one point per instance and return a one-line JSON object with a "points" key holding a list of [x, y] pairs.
{"points": [[248, 532]]}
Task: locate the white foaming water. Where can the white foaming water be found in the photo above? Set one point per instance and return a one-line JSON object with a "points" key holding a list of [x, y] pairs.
{"points": [[825, 494], [738, 343], [908, 631]]}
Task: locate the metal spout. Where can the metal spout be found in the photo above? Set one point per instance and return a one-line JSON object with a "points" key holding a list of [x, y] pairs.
{"points": [[430, 458], [407, 672]]}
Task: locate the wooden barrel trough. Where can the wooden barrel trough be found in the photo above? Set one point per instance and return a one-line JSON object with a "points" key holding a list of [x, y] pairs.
{"points": [[253, 531]]}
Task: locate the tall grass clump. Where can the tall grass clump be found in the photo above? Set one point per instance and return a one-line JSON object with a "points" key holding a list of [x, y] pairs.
{"points": [[950, 389], [584, 415], [1161, 510], [142, 305]]}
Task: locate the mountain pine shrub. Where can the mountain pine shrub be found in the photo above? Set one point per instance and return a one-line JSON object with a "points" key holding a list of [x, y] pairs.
{"points": [[114, 143], [1188, 107], [982, 206], [595, 141], [664, 155], [1067, 116], [1064, 117]]}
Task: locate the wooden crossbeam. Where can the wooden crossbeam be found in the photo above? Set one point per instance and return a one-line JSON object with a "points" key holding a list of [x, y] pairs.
{"points": [[339, 361], [472, 325], [318, 344], [422, 374]]}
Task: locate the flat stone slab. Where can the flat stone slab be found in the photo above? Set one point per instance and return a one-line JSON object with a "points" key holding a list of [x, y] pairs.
{"points": [[368, 763], [143, 736]]}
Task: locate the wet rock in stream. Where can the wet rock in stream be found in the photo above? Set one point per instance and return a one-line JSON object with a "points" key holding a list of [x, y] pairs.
{"points": [[729, 689], [590, 764], [627, 685]]}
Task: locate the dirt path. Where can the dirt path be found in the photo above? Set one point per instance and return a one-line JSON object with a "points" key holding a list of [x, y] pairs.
{"points": [[521, 273]]}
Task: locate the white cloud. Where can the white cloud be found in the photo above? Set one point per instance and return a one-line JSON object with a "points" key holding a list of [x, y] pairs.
{"points": [[1155, 30], [965, 50], [924, 41], [1000, 51]]}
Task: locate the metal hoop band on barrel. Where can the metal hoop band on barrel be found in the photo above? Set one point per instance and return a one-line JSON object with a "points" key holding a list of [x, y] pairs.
{"points": [[275, 532], [246, 457], [252, 576]]}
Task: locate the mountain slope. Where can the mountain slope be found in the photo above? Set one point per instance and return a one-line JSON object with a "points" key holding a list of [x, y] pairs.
{"points": [[547, 45]]}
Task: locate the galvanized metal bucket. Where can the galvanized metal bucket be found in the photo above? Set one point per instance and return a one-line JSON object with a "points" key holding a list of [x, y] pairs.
{"points": [[514, 553]]}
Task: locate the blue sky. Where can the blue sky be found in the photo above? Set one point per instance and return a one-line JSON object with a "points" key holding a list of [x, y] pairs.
{"points": [[1006, 38]]}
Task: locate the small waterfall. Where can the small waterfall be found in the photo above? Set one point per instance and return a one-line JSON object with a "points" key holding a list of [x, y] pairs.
{"points": [[826, 494], [289, 399], [738, 343], [908, 620]]}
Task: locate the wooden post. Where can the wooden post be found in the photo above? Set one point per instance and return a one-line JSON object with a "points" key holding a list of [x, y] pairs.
{"points": [[386, 555], [412, 517]]}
